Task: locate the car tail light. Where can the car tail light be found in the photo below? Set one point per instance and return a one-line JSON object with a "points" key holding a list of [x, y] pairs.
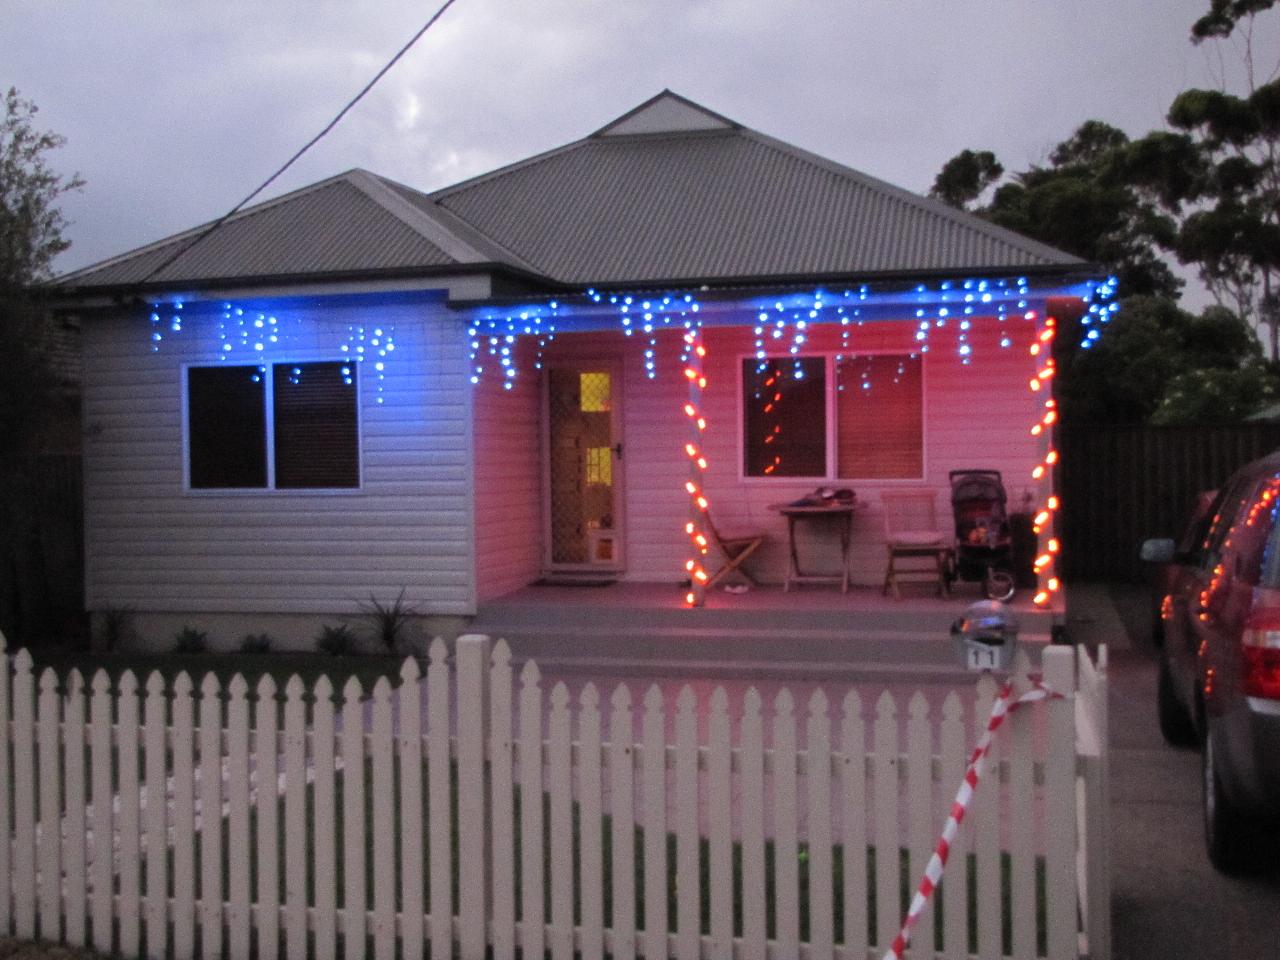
{"points": [[1260, 645]]}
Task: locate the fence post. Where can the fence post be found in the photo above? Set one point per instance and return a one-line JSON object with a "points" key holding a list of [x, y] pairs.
{"points": [[1060, 805], [1096, 804], [23, 856], [472, 660], [6, 819]]}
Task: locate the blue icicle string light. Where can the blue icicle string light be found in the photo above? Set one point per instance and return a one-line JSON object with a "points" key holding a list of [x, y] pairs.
{"points": [[779, 324], [261, 334], [1103, 307], [493, 335]]}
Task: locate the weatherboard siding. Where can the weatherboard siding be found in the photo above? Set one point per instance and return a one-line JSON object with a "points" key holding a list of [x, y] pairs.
{"points": [[976, 416], [508, 492], [154, 547]]}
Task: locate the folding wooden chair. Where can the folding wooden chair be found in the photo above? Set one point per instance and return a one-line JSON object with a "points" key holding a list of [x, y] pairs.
{"points": [[912, 535], [736, 550]]}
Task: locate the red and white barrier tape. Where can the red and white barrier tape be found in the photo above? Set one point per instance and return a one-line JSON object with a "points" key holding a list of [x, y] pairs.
{"points": [[960, 806]]}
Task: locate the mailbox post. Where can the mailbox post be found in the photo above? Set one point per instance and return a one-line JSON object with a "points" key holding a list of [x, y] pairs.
{"points": [[986, 637]]}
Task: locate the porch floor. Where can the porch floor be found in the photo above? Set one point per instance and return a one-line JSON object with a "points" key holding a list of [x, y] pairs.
{"points": [[815, 630]]}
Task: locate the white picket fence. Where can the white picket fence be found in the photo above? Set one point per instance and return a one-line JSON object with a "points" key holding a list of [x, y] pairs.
{"points": [[464, 814]]}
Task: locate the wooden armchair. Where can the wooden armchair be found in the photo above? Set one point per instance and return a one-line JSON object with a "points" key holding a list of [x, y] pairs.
{"points": [[920, 548], [736, 550]]}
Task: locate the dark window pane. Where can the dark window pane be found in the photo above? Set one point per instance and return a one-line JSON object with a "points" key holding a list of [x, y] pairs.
{"points": [[226, 427], [785, 417], [879, 417], [316, 431]]}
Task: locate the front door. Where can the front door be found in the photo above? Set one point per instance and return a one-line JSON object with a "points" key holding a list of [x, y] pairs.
{"points": [[584, 467]]}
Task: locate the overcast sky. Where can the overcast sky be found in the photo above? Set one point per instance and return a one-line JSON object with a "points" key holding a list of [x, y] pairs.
{"points": [[173, 111]]}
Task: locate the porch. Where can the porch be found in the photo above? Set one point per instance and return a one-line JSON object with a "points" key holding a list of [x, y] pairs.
{"points": [[811, 632], [759, 416]]}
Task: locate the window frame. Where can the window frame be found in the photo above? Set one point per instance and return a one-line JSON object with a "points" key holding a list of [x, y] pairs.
{"points": [[268, 399], [830, 428]]}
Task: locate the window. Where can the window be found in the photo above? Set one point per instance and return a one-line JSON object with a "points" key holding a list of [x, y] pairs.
{"points": [[226, 427], [785, 417], [1224, 512], [848, 417], [287, 426], [879, 417]]}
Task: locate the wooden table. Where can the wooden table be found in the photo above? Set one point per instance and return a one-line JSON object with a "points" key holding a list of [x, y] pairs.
{"points": [[837, 511]]}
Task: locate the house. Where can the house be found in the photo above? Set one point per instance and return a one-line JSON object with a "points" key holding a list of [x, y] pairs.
{"points": [[359, 388]]}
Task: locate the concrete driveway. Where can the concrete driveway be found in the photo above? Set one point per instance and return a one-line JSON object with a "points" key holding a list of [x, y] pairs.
{"points": [[1168, 901]]}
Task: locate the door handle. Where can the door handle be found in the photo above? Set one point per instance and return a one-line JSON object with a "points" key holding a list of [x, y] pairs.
{"points": [[617, 450]]}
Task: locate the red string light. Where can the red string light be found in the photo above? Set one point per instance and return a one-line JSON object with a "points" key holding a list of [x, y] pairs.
{"points": [[694, 528], [1043, 522]]}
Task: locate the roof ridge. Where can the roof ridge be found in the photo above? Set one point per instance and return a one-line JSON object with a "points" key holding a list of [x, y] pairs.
{"points": [[497, 251], [415, 218], [239, 215], [921, 202]]}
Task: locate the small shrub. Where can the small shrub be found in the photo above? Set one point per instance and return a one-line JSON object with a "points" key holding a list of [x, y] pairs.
{"points": [[115, 628], [388, 620], [256, 643], [336, 639], [190, 640]]}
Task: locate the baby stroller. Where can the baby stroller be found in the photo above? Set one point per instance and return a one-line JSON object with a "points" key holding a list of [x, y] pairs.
{"points": [[984, 546]]}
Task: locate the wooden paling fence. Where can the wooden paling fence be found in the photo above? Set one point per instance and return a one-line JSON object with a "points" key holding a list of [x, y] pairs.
{"points": [[1123, 484], [469, 813]]}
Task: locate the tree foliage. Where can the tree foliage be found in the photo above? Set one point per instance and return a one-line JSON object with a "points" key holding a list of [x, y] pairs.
{"points": [[965, 177], [1159, 363], [1225, 15], [31, 235], [1082, 201], [1206, 190], [1224, 183], [31, 223]]}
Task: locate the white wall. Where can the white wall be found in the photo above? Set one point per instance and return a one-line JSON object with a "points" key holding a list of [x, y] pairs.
{"points": [[508, 493], [152, 546]]}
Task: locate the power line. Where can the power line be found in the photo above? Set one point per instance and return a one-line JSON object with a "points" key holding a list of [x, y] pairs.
{"points": [[204, 234]]}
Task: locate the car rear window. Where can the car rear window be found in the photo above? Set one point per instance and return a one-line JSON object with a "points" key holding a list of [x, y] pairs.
{"points": [[1223, 514], [1269, 559], [1198, 527]]}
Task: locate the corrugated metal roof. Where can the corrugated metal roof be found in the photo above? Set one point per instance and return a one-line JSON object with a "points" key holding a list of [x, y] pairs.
{"points": [[720, 205], [330, 227], [693, 197]]}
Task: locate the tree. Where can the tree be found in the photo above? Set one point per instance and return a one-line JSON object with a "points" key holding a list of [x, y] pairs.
{"points": [[1159, 363], [1083, 200], [1229, 195], [31, 224], [31, 235], [965, 177], [1216, 396], [1224, 15]]}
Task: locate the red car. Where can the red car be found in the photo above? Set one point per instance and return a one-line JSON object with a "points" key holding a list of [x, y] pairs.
{"points": [[1220, 659]]}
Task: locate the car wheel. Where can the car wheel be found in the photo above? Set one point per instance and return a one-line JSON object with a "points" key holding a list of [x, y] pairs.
{"points": [[1175, 722], [999, 585], [1230, 836]]}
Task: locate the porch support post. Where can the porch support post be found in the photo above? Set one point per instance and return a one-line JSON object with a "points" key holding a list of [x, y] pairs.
{"points": [[696, 525], [1044, 430]]}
